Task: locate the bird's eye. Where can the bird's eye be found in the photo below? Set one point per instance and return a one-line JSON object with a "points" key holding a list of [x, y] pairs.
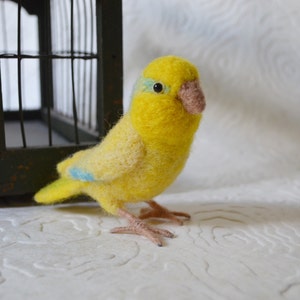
{"points": [[158, 87]]}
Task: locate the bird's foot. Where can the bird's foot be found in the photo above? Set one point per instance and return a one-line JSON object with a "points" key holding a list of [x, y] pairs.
{"points": [[139, 227], [158, 211]]}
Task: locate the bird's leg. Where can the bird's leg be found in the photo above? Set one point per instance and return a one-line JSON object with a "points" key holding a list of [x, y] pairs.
{"points": [[158, 211], [139, 227]]}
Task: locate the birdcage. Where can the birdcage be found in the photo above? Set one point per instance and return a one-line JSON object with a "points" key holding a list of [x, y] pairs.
{"points": [[60, 84]]}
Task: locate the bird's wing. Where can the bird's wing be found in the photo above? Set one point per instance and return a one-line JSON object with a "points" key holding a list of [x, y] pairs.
{"points": [[119, 153]]}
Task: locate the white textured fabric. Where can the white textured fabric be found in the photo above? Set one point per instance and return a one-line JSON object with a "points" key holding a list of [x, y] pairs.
{"points": [[241, 184]]}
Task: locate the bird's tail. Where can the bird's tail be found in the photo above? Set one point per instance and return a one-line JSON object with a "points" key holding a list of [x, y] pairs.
{"points": [[59, 190]]}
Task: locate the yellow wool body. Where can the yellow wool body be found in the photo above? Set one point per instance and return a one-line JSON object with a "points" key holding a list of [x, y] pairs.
{"points": [[143, 153]]}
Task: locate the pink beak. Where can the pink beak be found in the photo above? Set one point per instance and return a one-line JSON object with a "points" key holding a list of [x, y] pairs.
{"points": [[192, 97]]}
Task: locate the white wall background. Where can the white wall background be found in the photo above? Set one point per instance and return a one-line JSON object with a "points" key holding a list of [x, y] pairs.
{"points": [[247, 51], [249, 59]]}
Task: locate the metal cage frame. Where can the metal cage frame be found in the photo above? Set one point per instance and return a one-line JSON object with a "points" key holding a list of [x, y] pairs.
{"points": [[24, 170]]}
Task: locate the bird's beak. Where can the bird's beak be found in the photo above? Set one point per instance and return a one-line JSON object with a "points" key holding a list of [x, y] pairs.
{"points": [[192, 97]]}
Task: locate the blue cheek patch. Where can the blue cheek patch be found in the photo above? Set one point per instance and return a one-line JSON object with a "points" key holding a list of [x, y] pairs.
{"points": [[79, 174], [146, 85]]}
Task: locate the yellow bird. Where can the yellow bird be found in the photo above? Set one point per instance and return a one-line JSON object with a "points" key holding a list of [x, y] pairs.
{"points": [[143, 153]]}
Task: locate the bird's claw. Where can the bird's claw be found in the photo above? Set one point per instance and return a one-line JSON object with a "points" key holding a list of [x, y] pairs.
{"points": [[158, 211], [139, 227]]}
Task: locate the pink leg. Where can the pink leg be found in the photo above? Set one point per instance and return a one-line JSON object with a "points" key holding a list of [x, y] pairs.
{"points": [[137, 226], [158, 211]]}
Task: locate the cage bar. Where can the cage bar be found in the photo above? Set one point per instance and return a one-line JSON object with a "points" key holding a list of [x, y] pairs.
{"points": [[109, 22], [2, 129], [20, 98]]}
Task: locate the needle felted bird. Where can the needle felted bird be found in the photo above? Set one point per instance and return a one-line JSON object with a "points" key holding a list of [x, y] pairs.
{"points": [[143, 153]]}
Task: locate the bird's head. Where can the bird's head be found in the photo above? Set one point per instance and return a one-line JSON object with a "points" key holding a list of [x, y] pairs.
{"points": [[168, 94]]}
